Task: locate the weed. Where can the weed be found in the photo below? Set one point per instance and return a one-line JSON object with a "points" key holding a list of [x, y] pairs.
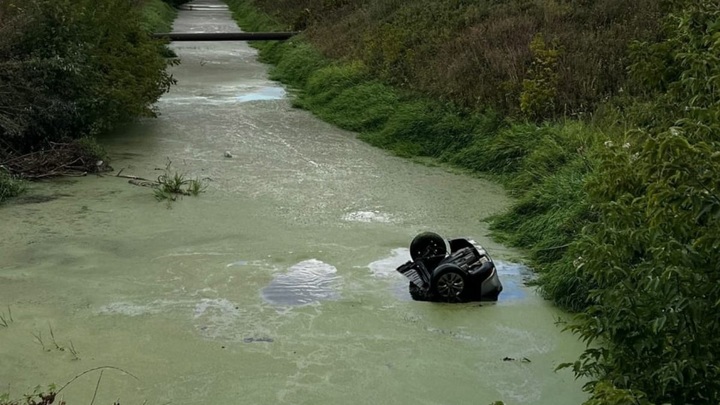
{"points": [[73, 351], [173, 184], [9, 186], [47, 396], [52, 337], [6, 319], [39, 396], [56, 346], [157, 16], [39, 339]]}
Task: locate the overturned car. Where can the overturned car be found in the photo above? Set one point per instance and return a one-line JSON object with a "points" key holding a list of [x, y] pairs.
{"points": [[450, 271]]}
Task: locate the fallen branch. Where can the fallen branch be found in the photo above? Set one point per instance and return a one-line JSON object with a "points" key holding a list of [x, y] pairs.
{"points": [[141, 183], [95, 369], [57, 159], [124, 176]]}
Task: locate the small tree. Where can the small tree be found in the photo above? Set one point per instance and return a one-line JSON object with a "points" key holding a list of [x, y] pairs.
{"points": [[655, 252], [537, 100]]}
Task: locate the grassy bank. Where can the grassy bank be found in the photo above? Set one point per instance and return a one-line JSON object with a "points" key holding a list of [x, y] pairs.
{"points": [[619, 210], [158, 16]]}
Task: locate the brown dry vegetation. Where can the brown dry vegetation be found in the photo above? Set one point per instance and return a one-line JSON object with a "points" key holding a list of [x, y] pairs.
{"points": [[477, 53]]}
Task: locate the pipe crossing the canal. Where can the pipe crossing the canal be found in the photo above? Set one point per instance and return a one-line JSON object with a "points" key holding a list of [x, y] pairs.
{"points": [[225, 36]]}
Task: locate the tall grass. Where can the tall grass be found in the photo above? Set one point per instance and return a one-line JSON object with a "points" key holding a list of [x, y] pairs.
{"points": [[477, 53], [157, 16], [9, 187]]}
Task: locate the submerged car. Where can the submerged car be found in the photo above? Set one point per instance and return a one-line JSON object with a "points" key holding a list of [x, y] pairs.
{"points": [[452, 270]]}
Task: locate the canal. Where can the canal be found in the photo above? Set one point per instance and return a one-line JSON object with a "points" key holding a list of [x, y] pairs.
{"points": [[274, 286]]}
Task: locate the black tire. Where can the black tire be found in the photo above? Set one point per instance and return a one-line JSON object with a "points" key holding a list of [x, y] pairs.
{"points": [[428, 244], [449, 283]]}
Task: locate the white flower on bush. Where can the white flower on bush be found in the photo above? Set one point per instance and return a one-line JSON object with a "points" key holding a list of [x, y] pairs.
{"points": [[608, 144]]}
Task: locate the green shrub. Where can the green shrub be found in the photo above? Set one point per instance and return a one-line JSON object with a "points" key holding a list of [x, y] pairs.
{"points": [[363, 107], [250, 18], [502, 152], [538, 98], [157, 16], [298, 63], [324, 85], [72, 68], [9, 187], [653, 252]]}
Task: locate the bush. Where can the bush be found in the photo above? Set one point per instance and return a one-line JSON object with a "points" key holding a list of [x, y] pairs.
{"points": [[298, 63], [652, 256], [9, 186], [157, 16], [72, 68]]}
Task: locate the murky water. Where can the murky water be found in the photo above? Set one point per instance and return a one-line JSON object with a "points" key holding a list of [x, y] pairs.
{"points": [[277, 285]]}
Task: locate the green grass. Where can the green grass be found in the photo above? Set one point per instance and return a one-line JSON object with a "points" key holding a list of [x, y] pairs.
{"points": [[9, 186], [158, 16], [172, 184]]}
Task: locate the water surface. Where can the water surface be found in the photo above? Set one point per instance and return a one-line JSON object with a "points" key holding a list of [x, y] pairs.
{"points": [[277, 285]]}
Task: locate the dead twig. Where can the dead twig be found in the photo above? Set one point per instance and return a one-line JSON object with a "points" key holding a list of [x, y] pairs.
{"points": [[95, 369], [96, 387], [73, 351], [143, 183], [39, 339], [124, 176], [57, 159], [52, 337]]}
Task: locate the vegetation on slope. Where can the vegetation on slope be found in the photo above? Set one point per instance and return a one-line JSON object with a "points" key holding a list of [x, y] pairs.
{"points": [[158, 15], [477, 53], [619, 209]]}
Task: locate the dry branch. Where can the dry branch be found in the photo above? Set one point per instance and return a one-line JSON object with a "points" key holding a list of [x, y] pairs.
{"points": [[58, 159]]}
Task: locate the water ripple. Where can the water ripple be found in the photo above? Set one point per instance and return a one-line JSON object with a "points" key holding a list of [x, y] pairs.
{"points": [[306, 282]]}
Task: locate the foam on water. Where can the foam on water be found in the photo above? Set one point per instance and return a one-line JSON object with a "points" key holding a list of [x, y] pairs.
{"points": [[367, 216], [385, 268], [137, 309]]}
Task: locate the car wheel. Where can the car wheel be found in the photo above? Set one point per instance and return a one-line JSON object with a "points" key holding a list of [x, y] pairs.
{"points": [[449, 283], [427, 244]]}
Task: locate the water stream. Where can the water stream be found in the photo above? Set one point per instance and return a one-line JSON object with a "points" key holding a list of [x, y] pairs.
{"points": [[276, 285]]}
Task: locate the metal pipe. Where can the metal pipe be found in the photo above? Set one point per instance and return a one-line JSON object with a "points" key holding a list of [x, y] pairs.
{"points": [[225, 36]]}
